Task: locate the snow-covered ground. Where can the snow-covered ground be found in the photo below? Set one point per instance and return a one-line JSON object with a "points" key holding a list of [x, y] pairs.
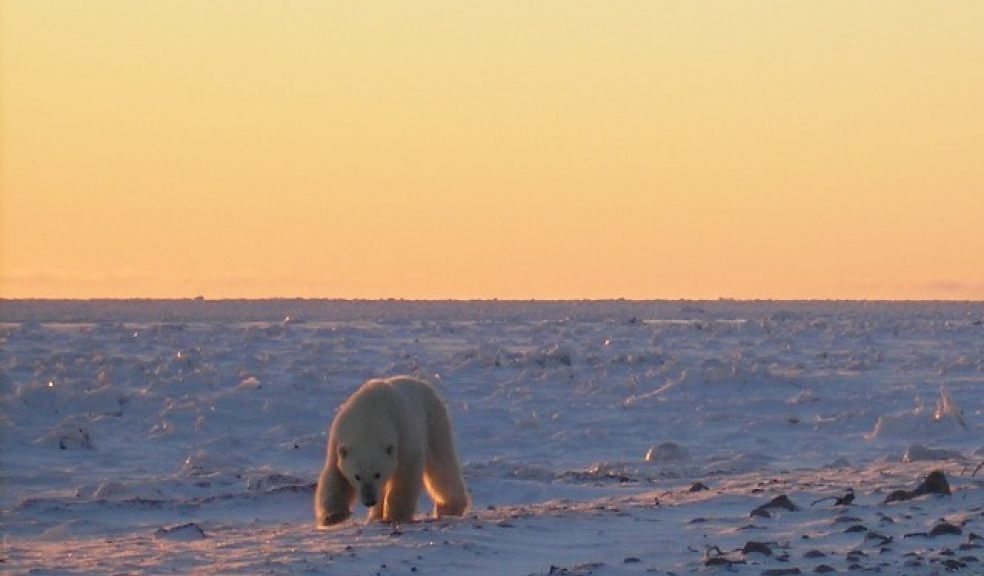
{"points": [[597, 437]]}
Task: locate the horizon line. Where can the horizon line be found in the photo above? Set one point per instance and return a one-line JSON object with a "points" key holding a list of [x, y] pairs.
{"points": [[205, 299]]}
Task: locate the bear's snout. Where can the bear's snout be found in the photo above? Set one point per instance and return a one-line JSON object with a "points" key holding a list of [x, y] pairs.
{"points": [[369, 495]]}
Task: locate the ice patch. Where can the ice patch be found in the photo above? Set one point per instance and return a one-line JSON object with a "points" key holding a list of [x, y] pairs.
{"points": [[802, 397], [266, 481], [70, 434], [202, 463], [920, 453], [57, 396], [66, 531], [737, 463]]}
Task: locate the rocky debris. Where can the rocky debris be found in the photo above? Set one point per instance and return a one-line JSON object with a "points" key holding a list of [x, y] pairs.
{"points": [[935, 483], [263, 482], [759, 547], [667, 452], [814, 554], [715, 557], [878, 539], [779, 502], [181, 532], [579, 570], [845, 500], [943, 528]]}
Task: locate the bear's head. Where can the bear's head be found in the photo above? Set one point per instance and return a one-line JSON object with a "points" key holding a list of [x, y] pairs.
{"points": [[368, 467]]}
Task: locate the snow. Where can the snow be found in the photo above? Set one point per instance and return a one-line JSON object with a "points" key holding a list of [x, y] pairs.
{"points": [[597, 437]]}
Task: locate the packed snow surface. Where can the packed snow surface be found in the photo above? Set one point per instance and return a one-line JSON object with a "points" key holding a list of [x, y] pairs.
{"points": [[596, 437]]}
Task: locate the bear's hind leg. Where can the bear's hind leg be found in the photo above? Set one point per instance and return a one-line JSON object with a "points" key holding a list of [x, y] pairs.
{"points": [[442, 472]]}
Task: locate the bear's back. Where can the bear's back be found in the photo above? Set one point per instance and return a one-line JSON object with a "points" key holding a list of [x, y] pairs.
{"points": [[394, 399]]}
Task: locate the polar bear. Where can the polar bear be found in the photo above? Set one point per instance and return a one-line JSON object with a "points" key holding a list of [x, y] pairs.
{"points": [[388, 440]]}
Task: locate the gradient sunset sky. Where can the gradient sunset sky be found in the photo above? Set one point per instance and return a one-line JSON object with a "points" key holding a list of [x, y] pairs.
{"points": [[499, 149]]}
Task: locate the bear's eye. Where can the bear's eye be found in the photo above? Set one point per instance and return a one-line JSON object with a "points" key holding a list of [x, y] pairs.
{"points": [[376, 476], [358, 478]]}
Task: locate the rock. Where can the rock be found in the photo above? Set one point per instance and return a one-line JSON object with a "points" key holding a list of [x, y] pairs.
{"points": [[883, 540], [667, 452], [945, 528], [855, 555], [814, 554], [759, 547], [578, 570], [953, 564], [935, 483], [714, 557], [721, 561], [760, 512], [782, 501], [899, 496]]}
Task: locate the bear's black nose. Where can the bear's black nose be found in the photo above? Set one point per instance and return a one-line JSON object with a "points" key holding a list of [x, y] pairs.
{"points": [[368, 495]]}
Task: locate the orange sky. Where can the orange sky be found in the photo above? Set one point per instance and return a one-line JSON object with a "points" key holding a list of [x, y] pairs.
{"points": [[492, 149]]}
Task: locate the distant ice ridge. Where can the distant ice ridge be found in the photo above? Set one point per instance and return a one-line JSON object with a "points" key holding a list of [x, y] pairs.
{"points": [[920, 423]]}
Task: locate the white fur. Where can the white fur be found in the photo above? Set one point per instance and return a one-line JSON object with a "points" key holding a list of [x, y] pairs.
{"points": [[389, 440]]}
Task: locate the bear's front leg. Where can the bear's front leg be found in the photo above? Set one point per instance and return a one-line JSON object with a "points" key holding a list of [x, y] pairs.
{"points": [[376, 512], [403, 492], [334, 497]]}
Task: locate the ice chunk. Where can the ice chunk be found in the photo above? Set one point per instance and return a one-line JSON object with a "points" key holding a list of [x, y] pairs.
{"points": [[945, 406], [667, 452]]}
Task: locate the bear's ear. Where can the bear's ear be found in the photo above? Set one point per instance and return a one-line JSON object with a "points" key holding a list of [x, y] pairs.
{"points": [[389, 449], [343, 452]]}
